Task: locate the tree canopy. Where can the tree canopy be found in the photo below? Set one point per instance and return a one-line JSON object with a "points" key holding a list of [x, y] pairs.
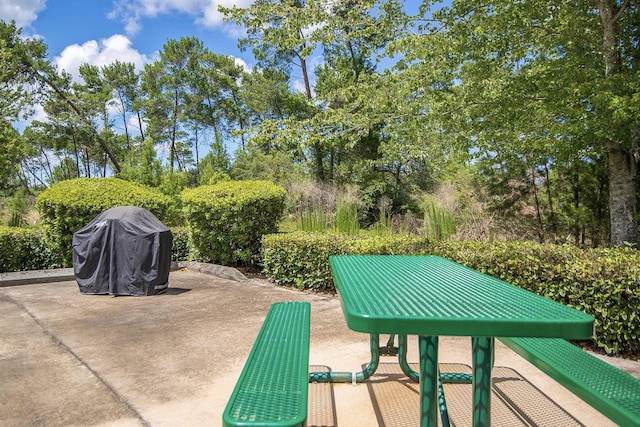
{"points": [[537, 102]]}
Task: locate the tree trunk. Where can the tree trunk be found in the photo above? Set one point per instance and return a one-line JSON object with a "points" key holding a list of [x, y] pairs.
{"points": [[87, 166], [622, 195], [599, 213], [534, 191], [76, 153], [48, 163], [126, 126], [317, 147], [140, 125], [174, 126], [552, 214], [81, 115], [24, 181], [577, 226], [305, 76], [621, 160], [195, 148]]}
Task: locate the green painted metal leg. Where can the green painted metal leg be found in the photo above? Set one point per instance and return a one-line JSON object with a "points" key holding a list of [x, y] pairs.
{"points": [[482, 363], [446, 377], [428, 381], [402, 359], [390, 341], [456, 378], [442, 405], [348, 377]]}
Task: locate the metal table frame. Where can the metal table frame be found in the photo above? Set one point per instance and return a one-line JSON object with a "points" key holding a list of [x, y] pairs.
{"points": [[430, 296]]}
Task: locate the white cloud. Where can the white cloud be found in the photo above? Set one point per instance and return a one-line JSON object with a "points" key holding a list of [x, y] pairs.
{"points": [[211, 17], [205, 12], [106, 51], [240, 62], [24, 12], [298, 86], [38, 114]]}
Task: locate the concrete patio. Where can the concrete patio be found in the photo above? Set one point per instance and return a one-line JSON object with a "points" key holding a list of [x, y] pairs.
{"points": [[173, 359]]}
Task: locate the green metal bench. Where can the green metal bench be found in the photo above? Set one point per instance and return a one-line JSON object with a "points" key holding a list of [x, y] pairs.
{"points": [[273, 386], [613, 392]]}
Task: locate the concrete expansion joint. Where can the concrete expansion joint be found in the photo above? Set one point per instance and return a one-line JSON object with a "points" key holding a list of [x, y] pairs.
{"points": [[73, 354]]}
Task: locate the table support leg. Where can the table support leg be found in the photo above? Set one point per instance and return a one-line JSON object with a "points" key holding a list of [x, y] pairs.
{"points": [[428, 381], [402, 359], [482, 363], [442, 405], [445, 377], [348, 377]]}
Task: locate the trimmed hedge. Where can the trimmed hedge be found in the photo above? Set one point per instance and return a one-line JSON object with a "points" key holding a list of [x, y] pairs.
{"points": [[181, 246], [302, 259], [227, 220], [24, 249], [604, 283], [69, 205]]}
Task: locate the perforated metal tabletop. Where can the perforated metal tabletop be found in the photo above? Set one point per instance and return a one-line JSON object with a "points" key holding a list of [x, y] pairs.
{"points": [[430, 295]]}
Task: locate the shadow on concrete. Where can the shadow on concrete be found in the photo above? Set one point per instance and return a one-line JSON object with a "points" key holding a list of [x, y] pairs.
{"points": [[515, 402], [174, 291], [322, 403]]}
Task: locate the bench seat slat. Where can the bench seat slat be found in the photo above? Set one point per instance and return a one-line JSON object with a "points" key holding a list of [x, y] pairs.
{"points": [[613, 392], [273, 387]]}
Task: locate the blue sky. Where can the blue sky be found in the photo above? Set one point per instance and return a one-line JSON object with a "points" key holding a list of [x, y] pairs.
{"points": [[100, 31]]}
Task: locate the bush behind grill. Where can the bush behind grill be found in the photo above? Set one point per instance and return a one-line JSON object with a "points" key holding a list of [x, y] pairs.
{"points": [[69, 205], [227, 220]]}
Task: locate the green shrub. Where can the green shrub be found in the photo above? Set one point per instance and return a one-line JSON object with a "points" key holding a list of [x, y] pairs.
{"points": [[24, 249], [181, 247], [69, 205], [604, 283], [227, 220], [302, 259]]}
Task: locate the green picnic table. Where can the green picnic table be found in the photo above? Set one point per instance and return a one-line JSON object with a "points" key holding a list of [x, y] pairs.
{"points": [[430, 296]]}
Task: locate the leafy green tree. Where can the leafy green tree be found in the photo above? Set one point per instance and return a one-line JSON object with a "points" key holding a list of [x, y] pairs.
{"points": [[10, 155], [214, 105], [281, 36], [27, 66], [213, 168], [280, 33], [191, 93], [72, 107], [555, 79], [18, 58], [123, 83], [366, 146], [166, 83], [16, 100], [67, 135], [144, 167], [274, 166]]}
